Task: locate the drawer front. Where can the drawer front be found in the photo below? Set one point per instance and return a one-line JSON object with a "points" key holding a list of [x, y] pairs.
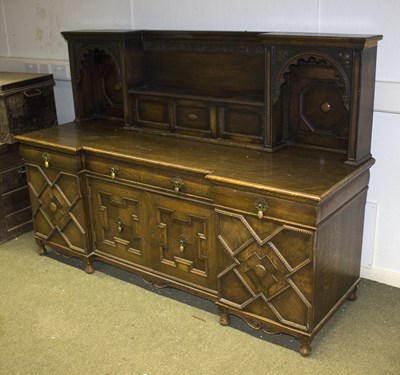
{"points": [[16, 211], [271, 207], [265, 268], [49, 160], [185, 240], [20, 221], [167, 180], [119, 222], [193, 117], [12, 179], [15, 200], [241, 123], [152, 111]]}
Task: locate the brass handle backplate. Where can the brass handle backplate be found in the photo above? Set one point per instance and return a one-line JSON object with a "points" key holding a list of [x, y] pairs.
{"points": [[177, 184], [46, 157], [261, 206]]}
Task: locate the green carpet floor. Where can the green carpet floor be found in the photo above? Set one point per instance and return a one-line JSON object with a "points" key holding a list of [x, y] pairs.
{"points": [[55, 319]]}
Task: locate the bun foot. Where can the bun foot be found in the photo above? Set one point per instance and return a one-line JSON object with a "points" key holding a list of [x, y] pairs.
{"points": [[224, 319], [353, 294], [41, 250], [89, 268], [305, 350]]}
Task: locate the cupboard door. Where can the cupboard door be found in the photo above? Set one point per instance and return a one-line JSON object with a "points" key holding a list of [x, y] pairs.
{"points": [[265, 268], [119, 220], [57, 206], [185, 240]]}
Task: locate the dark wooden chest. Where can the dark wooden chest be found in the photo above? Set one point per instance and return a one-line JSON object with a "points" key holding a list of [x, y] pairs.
{"points": [[26, 104], [15, 208]]}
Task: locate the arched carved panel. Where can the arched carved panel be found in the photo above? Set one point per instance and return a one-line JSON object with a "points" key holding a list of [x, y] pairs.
{"points": [[98, 76], [306, 56], [269, 275]]}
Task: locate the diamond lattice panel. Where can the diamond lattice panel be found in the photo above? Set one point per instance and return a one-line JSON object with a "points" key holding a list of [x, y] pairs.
{"points": [[57, 208], [268, 275]]}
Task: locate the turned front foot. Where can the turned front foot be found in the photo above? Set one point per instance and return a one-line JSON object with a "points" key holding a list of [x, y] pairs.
{"points": [[305, 349], [353, 294], [41, 250], [224, 318], [89, 266]]}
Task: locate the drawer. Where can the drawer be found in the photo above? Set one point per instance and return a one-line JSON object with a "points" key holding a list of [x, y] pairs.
{"points": [[21, 218], [49, 160], [152, 111], [13, 178], [193, 117], [270, 207], [186, 183], [15, 200]]}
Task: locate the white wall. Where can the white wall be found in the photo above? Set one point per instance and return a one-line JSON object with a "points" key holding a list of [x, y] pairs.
{"points": [[30, 30]]}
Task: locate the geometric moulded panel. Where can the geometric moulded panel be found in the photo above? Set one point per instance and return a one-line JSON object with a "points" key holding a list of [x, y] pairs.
{"points": [[117, 215], [270, 276], [57, 207], [185, 235]]}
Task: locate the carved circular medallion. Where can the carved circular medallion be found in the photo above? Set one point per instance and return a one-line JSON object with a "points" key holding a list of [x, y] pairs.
{"points": [[53, 207], [260, 270]]}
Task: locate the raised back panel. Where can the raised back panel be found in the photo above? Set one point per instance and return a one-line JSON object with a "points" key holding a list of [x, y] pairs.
{"points": [[219, 66]]}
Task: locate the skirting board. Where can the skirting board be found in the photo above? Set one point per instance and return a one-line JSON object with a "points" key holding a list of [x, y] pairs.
{"points": [[381, 275]]}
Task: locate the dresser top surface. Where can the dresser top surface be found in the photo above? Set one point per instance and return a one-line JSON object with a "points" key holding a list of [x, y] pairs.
{"points": [[291, 171]]}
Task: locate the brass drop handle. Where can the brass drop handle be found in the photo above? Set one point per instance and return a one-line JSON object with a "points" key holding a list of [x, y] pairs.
{"points": [[261, 206], [113, 171], [177, 184], [120, 224], [182, 243], [46, 157]]}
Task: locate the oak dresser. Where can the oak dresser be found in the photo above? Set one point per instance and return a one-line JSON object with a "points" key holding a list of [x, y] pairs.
{"points": [[232, 165]]}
